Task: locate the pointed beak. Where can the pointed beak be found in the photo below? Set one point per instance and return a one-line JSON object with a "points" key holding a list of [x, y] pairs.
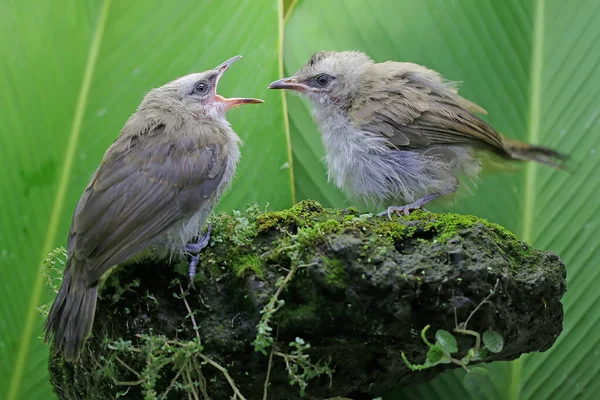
{"points": [[290, 83], [221, 68], [236, 101]]}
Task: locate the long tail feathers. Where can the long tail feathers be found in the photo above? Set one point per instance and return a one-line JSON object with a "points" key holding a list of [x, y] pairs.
{"points": [[71, 316], [523, 151]]}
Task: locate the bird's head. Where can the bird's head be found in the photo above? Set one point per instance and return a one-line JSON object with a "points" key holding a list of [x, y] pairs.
{"points": [[329, 77], [198, 93]]}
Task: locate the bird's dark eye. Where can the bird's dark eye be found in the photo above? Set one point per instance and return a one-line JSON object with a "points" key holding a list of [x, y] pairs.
{"points": [[201, 87], [322, 80]]}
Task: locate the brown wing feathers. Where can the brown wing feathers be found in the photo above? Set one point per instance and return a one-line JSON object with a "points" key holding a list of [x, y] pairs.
{"points": [[415, 111], [162, 184]]}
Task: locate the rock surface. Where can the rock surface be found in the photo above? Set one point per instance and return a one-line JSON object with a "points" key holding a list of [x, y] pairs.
{"points": [[363, 289]]}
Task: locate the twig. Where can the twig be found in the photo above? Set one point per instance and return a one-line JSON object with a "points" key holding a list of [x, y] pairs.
{"points": [[271, 307], [481, 303], [127, 366], [472, 333], [164, 395], [202, 379], [225, 374], [268, 374], [286, 356], [132, 349], [455, 361], [286, 359], [287, 278], [189, 310], [454, 307], [205, 358], [191, 383], [129, 383]]}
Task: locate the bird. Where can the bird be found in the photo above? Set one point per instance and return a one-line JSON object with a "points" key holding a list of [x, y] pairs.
{"points": [[398, 132], [155, 186]]}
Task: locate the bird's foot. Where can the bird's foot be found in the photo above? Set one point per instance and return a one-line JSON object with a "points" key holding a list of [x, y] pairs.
{"points": [[410, 207], [197, 248], [406, 210]]}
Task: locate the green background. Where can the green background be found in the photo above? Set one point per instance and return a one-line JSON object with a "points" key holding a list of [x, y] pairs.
{"points": [[74, 70]]}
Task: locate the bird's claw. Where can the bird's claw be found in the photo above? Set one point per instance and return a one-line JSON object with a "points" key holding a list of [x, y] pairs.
{"points": [[406, 209], [192, 270], [197, 248], [201, 243]]}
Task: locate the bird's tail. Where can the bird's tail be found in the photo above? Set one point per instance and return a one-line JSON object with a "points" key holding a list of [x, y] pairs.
{"points": [[71, 316], [518, 150]]}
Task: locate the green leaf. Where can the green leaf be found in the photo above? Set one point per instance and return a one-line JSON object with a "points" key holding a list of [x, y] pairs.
{"points": [[446, 341], [478, 355], [73, 71], [435, 355], [493, 341], [477, 381], [533, 65]]}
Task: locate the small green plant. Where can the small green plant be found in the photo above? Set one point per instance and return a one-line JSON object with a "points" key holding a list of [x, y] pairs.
{"points": [[160, 352], [184, 356], [445, 346], [119, 288], [52, 269], [264, 337], [242, 226], [299, 367]]}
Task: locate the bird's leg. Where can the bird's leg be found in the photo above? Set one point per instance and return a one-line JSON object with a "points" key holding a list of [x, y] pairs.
{"points": [[406, 209], [197, 248]]}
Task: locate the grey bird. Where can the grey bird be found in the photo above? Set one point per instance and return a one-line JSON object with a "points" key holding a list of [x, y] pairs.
{"points": [[397, 131], [156, 185]]}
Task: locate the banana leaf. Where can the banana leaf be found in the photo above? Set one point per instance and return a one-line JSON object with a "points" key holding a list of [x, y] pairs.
{"points": [[533, 65]]}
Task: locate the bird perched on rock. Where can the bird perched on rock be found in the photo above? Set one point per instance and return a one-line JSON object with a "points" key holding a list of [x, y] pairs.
{"points": [[156, 185], [398, 132]]}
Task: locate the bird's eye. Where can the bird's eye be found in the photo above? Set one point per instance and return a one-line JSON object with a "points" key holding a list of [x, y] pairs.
{"points": [[201, 87], [322, 80]]}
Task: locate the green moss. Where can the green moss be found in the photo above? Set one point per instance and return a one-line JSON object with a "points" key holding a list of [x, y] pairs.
{"points": [[317, 233], [448, 225], [330, 226], [300, 215], [352, 211], [239, 228], [67, 376], [309, 225], [290, 316], [335, 272], [267, 243], [249, 262], [393, 230]]}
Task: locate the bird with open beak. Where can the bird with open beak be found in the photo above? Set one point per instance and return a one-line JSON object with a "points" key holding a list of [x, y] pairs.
{"points": [[156, 185], [398, 132]]}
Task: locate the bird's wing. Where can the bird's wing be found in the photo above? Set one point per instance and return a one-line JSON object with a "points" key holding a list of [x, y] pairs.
{"points": [[138, 194], [414, 108]]}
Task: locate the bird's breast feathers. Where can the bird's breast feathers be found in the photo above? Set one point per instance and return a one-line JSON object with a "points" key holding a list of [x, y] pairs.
{"points": [[358, 162]]}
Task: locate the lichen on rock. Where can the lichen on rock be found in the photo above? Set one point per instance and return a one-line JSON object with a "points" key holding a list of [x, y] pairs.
{"points": [[362, 290]]}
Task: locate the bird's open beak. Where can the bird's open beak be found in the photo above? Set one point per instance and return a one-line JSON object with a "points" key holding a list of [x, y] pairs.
{"points": [[235, 101], [290, 83]]}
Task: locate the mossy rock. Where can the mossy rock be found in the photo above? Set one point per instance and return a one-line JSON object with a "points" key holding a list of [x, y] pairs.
{"points": [[365, 288]]}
